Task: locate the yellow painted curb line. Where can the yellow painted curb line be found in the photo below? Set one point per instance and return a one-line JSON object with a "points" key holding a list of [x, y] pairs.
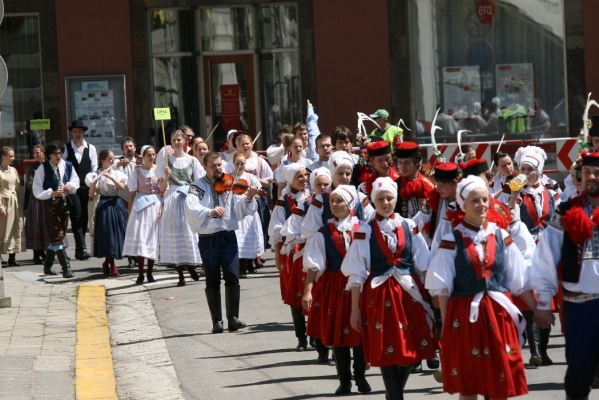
{"points": [[94, 376]]}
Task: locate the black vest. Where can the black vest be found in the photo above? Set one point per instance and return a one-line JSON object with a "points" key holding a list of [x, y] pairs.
{"points": [[379, 264], [333, 256], [83, 168], [571, 262]]}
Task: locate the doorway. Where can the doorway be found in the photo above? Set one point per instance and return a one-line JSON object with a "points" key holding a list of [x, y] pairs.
{"points": [[229, 96]]}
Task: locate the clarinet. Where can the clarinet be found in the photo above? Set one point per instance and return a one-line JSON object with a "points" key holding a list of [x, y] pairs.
{"points": [[60, 185]]}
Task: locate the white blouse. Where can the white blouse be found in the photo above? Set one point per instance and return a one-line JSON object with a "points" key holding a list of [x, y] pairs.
{"points": [[277, 218], [104, 185], [315, 250]]}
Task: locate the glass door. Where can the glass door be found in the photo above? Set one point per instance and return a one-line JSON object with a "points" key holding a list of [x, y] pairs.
{"points": [[229, 96]]}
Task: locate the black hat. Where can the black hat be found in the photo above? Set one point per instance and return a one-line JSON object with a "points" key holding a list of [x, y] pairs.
{"points": [[77, 124], [591, 159], [446, 172], [476, 166], [594, 131], [407, 150], [378, 148]]}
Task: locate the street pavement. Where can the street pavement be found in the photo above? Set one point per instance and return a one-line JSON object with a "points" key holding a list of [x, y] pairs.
{"points": [[162, 347]]}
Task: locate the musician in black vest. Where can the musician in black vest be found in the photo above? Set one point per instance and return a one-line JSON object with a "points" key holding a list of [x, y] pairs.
{"points": [[84, 158]]}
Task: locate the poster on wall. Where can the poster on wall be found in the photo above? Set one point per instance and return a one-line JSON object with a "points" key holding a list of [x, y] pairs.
{"points": [[99, 102], [95, 108], [515, 84], [461, 91]]}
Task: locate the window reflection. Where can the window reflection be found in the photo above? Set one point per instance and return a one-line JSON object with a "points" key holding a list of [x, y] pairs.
{"points": [[173, 31], [502, 75], [227, 29], [22, 99], [280, 91], [278, 26]]}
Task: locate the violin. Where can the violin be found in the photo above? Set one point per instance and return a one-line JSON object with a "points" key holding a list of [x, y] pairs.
{"points": [[236, 186]]}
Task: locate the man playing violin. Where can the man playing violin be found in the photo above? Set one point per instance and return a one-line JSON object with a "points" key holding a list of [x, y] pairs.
{"points": [[214, 212]]}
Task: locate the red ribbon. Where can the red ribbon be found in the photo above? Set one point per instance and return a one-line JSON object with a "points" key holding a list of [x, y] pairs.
{"points": [[529, 202], [338, 237], [481, 267], [392, 258]]}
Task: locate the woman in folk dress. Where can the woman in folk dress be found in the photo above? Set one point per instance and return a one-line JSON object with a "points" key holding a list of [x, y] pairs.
{"points": [[389, 304], [178, 244], [474, 271], [327, 301], [141, 240], [11, 223], [110, 220]]}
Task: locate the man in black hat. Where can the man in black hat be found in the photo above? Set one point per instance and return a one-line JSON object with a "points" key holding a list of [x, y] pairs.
{"points": [[84, 158]]}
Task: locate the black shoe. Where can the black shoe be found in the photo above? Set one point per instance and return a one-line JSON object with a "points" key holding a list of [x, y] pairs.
{"points": [[217, 327], [312, 342], [416, 368], [433, 363], [363, 386], [323, 358], [82, 254], [181, 283], [343, 389], [140, 280], [49, 271], [132, 263], [64, 262], [12, 262], [545, 360], [301, 346], [194, 275], [151, 278]]}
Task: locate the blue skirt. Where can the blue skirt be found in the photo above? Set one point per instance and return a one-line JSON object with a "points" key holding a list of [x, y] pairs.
{"points": [[110, 227]]}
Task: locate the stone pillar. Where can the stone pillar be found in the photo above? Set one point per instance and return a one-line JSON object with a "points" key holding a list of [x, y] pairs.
{"points": [[4, 301]]}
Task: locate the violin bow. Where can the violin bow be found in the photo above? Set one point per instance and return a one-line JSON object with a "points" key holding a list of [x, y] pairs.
{"points": [[498, 147], [256, 138], [215, 126]]}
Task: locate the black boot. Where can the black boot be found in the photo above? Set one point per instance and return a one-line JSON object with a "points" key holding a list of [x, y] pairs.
{"points": [[360, 370], [214, 304], [392, 381], [299, 325], [343, 364], [544, 341], [232, 298], [322, 350], [81, 252], [64, 262], [403, 373], [38, 257], [12, 262], [49, 260], [534, 340]]}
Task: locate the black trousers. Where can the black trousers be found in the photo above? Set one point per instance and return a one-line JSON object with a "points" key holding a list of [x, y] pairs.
{"points": [[79, 217]]}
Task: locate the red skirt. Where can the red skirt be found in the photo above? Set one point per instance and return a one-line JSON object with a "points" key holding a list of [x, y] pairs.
{"points": [[329, 317], [395, 330], [481, 358], [295, 283], [284, 275]]}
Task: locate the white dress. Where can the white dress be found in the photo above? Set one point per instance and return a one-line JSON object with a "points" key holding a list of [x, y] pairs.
{"points": [[249, 235], [143, 225], [178, 244]]}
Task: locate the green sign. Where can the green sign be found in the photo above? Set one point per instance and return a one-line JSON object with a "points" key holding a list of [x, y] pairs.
{"points": [[39, 124], [162, 113]]}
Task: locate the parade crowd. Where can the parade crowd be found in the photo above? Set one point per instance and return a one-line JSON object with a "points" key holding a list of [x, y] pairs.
{"points": [[382, 257]]}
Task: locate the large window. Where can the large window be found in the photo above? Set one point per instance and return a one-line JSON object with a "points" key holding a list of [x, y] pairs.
{"points": [[493, 67], [22, 100]]}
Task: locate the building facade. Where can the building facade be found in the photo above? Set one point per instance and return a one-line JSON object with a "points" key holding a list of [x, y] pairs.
{"points": [[252, 65]]}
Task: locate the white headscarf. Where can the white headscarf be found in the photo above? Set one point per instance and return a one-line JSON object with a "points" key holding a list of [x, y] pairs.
{"points": [[381, 184], [290, 170], [466, 186], [533, 155], [339, 158], [317, 173], [349, 194]]}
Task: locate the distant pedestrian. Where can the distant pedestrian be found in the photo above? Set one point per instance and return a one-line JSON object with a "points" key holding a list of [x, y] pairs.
{"points": [[127, 165], [11, 223]]}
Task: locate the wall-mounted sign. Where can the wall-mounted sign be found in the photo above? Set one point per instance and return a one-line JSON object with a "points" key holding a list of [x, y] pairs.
{"points": [[485, 11], [39, 124], [231, 109], [94, 85]]}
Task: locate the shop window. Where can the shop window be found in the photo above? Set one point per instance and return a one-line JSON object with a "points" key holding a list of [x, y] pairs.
{"points": [[22, 100], [226, 29], [493, 66], [172, 31], [278, 26]]}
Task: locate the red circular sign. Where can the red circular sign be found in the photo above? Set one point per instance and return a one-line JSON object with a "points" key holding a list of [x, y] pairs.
{"points": [[485, 11]]}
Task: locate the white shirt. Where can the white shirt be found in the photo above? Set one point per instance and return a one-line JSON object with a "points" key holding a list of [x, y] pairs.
{"points": [[315, 252], [278, 218], [93, 154], [200, 201], [38, 181]]}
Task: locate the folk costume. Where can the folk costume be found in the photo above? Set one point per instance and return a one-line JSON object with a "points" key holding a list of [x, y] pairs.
{"points": [[384, 261], [329, 316], [84, 160], [12, 239], [178, 244], [292, 278], [410, 191], [319, 212], [218, 245], [36, 235], [567, 253], [110, 220], [476, 267], [367, 177], [48, 178], [141, 238]]}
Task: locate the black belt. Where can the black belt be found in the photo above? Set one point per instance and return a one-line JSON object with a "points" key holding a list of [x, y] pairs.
{"points": [[224, 233]]}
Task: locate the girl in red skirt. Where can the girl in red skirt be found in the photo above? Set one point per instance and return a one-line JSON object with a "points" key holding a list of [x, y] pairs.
{"points": [[327, 301], [474, 271], [294, 195], [383, 264], [320, 180]]}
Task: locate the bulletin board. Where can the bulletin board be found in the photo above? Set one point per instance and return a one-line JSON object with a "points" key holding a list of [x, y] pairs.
{"points": [[100, 103]]}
